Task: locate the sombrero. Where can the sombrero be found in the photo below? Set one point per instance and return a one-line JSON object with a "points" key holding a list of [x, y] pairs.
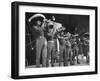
{"points": [[36, 16]]}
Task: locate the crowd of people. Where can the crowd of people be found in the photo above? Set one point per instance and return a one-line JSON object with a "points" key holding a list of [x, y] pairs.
{"points": [[56, 45]]}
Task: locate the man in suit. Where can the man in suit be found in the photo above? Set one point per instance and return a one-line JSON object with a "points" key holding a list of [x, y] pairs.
{"points": [[51, 47], [75, 48], [65, 48], [68, 48], [37, 29]]}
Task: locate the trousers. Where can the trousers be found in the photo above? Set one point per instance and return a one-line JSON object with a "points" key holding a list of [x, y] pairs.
{"points": [[75, 53], [69, 54], [50, 53], [63, 55], [41, 49]]}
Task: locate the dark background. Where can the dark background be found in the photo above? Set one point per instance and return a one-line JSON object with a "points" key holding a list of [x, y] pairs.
{"points": [[73, 23]]}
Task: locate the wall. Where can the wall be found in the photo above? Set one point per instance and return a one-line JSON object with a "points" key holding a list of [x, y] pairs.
{"points": [[5, 41]]}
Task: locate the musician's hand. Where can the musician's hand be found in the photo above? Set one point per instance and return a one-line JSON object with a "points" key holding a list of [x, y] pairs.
{"points": [[32, 48], [57, 52]]}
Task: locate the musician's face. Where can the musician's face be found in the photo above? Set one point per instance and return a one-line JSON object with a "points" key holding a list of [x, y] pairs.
{"points": [[38, 22], [74, 39], [62, 33]]}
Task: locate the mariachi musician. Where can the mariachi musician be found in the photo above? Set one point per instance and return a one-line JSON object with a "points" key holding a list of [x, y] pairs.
{"points": [[37, 29]]}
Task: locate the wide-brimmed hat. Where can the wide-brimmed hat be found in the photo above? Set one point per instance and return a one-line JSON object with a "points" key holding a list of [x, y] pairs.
{"points": [[40, 17]]}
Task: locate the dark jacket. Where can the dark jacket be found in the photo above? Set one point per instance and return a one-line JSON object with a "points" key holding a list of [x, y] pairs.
{"points": [[37, 31]]}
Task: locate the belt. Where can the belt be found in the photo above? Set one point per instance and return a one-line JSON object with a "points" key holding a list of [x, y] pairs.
{"points": [[40, 36], [51, 41]]}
